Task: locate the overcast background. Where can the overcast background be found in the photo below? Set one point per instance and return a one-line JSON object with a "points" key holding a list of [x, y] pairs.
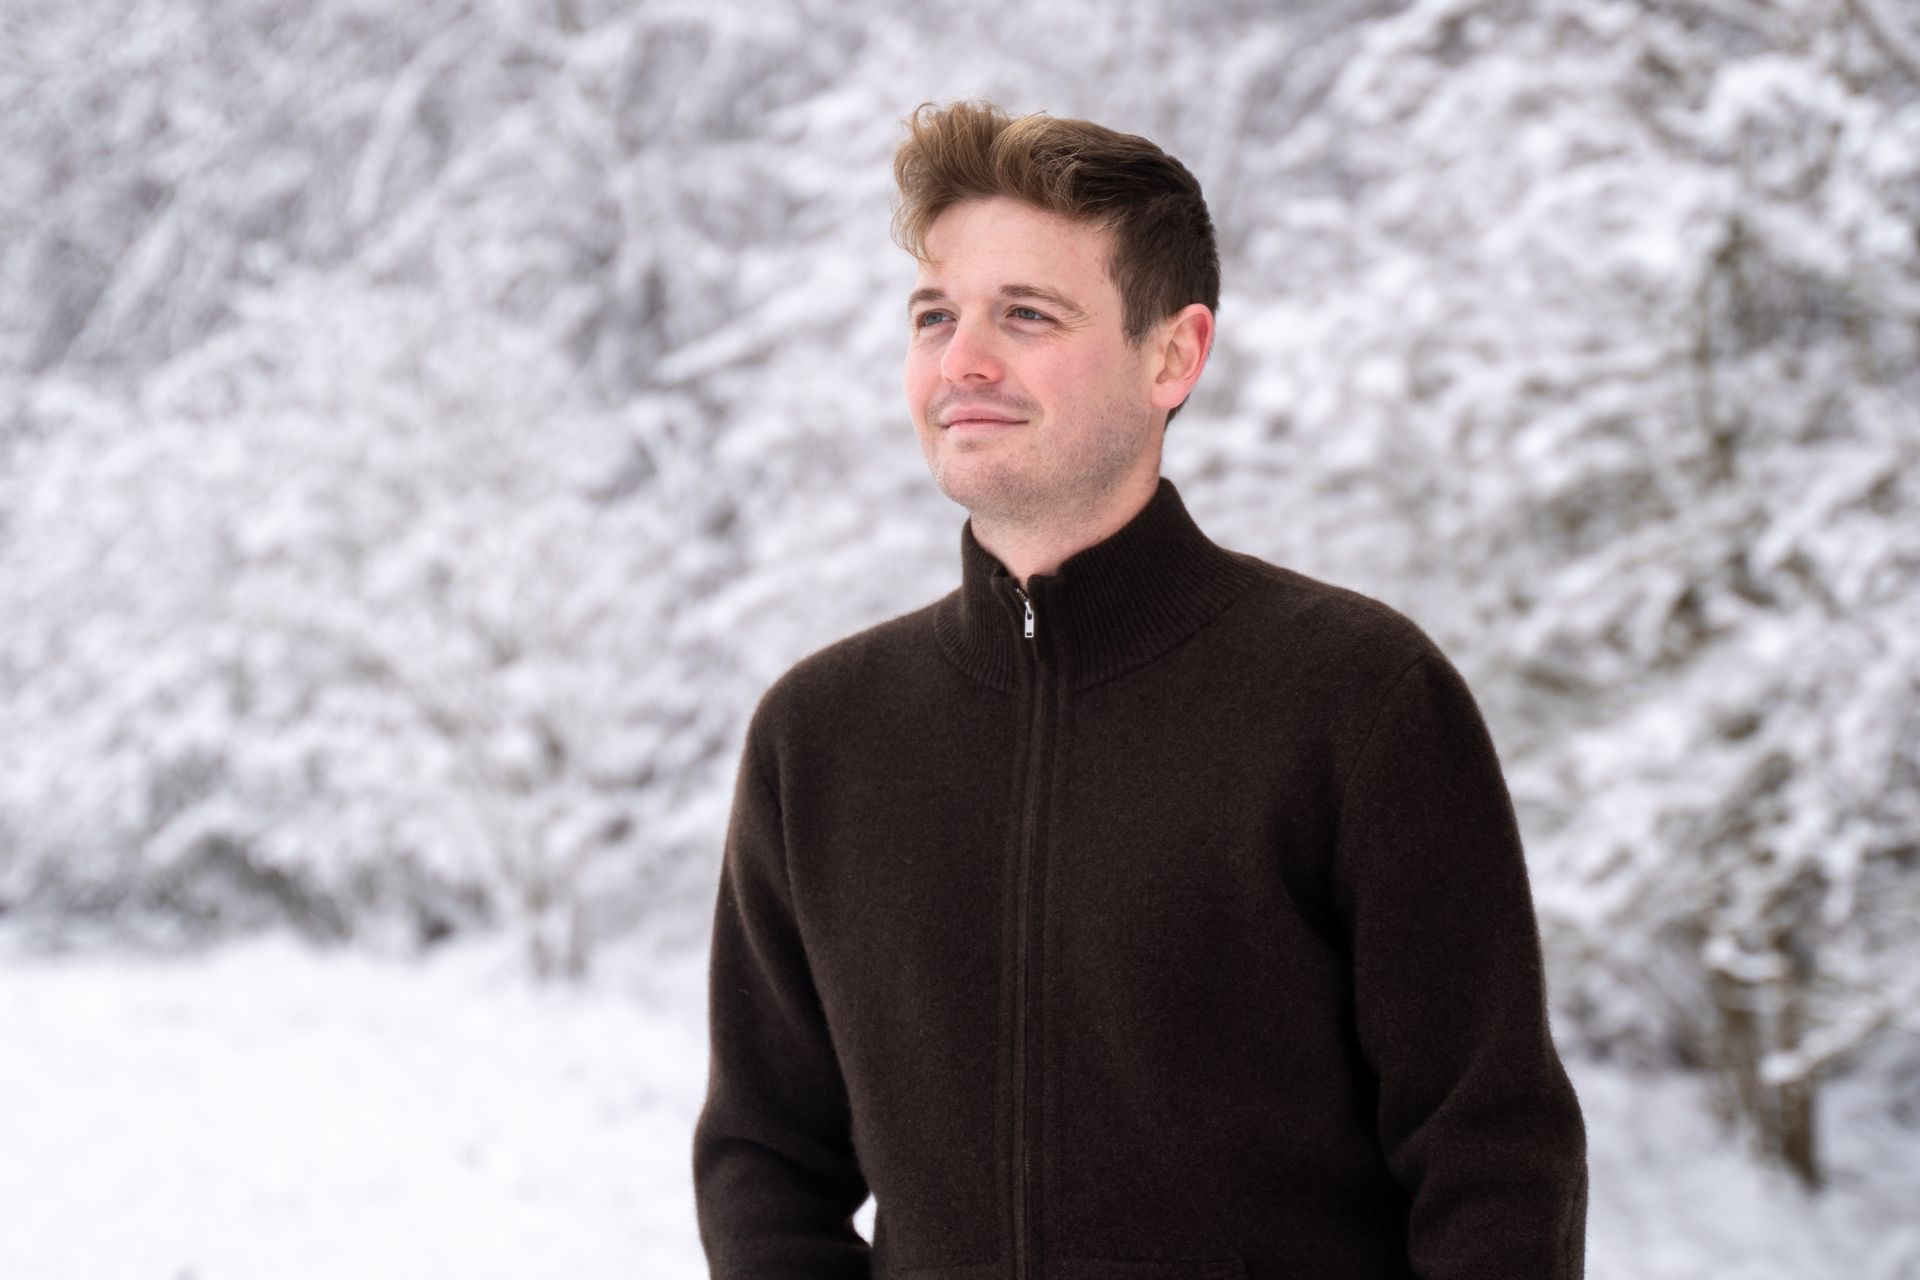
{"points": [[425, 430]]}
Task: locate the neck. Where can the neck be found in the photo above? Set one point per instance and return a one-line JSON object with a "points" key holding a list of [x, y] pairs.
{"points": [[1029, 547]]}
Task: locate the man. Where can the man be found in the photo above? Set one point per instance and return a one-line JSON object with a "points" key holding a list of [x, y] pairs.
{"points": [[1139, 910]]}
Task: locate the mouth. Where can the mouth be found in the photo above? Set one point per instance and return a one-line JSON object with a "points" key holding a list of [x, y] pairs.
{"points": [[981, 422]]}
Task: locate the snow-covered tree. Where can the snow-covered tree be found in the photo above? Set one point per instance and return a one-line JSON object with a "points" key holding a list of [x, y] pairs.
{"points": [[1614, 306], [424, 432]]}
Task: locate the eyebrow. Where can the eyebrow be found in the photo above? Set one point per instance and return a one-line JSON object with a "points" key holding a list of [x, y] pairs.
{"points": [[1033, 292]]}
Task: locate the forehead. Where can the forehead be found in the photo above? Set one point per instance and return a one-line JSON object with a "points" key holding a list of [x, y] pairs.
{"points": [[973, 242]]}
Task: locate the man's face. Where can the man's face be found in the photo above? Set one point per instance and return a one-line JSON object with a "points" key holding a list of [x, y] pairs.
{"points": [[1030, 405]]}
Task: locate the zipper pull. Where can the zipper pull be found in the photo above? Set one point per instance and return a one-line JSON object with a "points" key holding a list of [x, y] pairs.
{"points": [[1029, 607]]}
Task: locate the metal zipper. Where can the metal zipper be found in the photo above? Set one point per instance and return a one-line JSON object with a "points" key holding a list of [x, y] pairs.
{"points": [[1023, 1220]]}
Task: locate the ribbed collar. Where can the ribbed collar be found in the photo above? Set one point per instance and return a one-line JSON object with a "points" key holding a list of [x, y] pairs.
{"points": [[1108, 608]]}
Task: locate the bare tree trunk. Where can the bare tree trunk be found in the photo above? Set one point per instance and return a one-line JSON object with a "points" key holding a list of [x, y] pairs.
{"points": [[1758, 1016], [1796, 1094], [1738, 1056]]}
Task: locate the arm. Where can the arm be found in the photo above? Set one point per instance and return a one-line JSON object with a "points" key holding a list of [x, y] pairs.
{"points": [[1476, 1116], [775, 1178]]}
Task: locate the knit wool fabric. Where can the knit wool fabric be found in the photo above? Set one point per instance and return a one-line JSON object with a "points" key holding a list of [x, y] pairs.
{"points": [[1186, 938]]}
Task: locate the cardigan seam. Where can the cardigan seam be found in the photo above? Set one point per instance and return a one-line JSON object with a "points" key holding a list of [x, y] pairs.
{"points": [[779, 829], [1366, 741]]}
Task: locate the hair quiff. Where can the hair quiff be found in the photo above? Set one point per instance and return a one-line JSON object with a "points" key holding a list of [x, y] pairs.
{"points": [[1164, 257]]}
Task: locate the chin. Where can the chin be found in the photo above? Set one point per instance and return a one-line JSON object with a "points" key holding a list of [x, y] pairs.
{"points": [[992, 493]]}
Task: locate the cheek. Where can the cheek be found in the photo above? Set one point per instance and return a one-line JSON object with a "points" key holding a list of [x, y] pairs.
{"points": [[920, 373], [1079, 376]]}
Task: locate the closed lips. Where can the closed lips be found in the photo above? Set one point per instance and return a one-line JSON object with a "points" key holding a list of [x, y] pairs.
{"points": [[977, 415]]}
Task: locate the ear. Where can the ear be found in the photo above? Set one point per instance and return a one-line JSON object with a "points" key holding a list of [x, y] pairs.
{"points": [[1179, 346]]}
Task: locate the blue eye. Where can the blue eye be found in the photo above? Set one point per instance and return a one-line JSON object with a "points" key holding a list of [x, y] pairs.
{"points": [[1031, 313], [920, 321]]}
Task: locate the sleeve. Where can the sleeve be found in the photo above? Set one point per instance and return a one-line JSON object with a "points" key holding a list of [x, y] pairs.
{"points": [[776, 1182], [1476, 1116]]}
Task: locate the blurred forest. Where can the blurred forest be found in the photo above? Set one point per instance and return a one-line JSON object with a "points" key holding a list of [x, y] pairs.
{"points": [[425, 430]]}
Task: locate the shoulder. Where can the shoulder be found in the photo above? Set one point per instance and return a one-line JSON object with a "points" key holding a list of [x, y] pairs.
{"points": [[836, 680], [1342, 635], [1386, 681]]}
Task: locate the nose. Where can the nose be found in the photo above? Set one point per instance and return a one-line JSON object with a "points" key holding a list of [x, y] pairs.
{"points": [[970, 355]]}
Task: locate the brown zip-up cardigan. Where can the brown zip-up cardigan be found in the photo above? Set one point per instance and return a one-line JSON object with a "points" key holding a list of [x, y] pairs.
{"points": [[1167, 922]]}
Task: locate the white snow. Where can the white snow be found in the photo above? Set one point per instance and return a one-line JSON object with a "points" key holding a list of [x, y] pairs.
{"points": [[266, 1109], [426, 430], [271, 1110]]}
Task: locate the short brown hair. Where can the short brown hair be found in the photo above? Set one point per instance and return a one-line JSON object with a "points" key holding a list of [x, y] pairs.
{"points": [[1164, 256]]}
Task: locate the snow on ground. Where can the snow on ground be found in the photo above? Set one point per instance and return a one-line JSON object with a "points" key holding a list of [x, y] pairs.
{"points": [[266, 1110], [270, 1111]]}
